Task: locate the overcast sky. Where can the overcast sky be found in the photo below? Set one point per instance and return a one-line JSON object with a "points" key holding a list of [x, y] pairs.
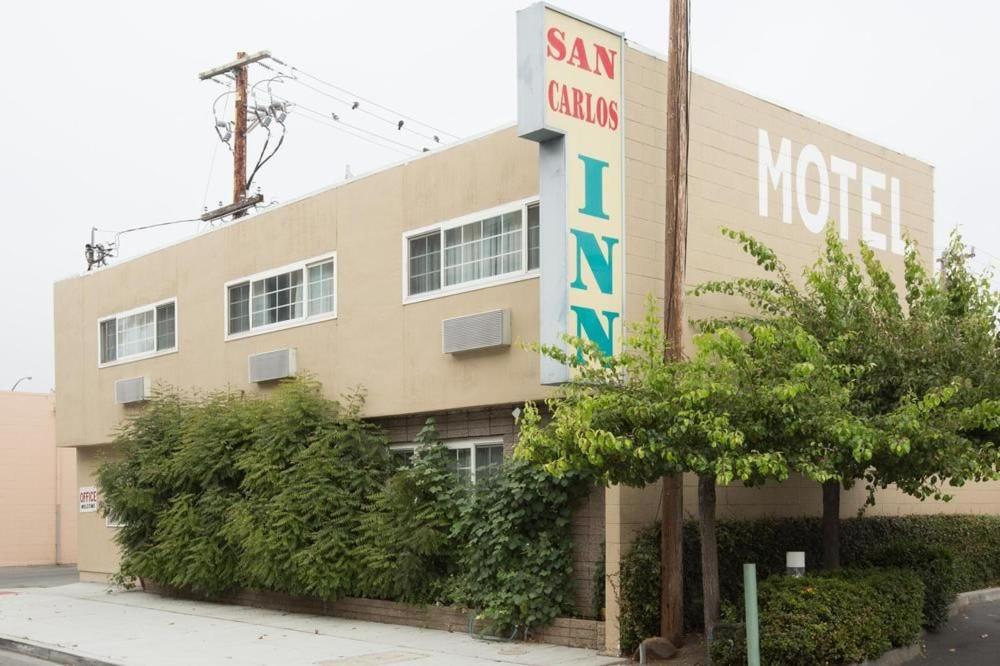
{"points": [[106, 124]]}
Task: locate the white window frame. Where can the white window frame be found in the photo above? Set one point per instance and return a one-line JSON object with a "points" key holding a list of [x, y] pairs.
{"points": [[144, 355], [481, 283], [452, 445], [303, 320]]}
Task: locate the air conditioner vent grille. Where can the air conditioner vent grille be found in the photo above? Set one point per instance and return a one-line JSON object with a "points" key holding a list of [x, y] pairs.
{"points": [[272, 365], [485, 330], [135, 389]]}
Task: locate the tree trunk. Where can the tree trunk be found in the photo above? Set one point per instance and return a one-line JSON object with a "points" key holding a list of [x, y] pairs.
{"points": [[831, 525], [709, 551]]}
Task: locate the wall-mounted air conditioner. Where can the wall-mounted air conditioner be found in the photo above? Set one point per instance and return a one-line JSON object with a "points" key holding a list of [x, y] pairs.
{"points": [[135, 389], [272, 365], [485, 330]]}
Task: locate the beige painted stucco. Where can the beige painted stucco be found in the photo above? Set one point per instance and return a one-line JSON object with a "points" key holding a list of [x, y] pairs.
{"points": [[37, 484], [393, 349]]}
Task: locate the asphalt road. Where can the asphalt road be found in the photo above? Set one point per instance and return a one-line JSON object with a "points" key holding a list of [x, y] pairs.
{"points": [[40, 576], [971, 638]]}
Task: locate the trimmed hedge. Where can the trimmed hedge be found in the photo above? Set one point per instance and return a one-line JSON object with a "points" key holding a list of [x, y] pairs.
{"points": [[934, 564], [976, 562], [848, 617]]}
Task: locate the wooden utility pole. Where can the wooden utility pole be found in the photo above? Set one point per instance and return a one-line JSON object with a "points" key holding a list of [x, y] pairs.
{"points": [[237, 69], [240, 136], [672, 507]]}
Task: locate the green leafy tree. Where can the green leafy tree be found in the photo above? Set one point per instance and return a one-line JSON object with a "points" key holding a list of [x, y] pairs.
{"points": [[742, 408], [928, 370], [407, 551]]}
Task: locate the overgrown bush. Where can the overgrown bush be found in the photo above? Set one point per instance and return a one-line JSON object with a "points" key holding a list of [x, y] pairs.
{"points": [[848, 617], [295, 493], [973, 540], [516, 558], [936, 567], [407, 551], [229, 491], [639, 590]]}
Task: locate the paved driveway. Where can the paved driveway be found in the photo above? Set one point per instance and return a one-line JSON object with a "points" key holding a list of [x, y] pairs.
{"points": [[971, 638], [40, 576]]}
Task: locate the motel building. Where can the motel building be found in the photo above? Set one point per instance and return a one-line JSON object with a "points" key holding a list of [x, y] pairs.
{"points": [[420, 281]]}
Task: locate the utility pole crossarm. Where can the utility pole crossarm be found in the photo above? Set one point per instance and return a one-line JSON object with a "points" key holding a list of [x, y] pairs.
{"points": [[239, 62]]}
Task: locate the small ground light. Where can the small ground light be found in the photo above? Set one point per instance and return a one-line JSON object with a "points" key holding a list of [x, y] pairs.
{"points": [[795, 563]]}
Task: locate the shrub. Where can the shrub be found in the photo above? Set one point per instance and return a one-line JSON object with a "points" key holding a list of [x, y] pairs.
{"points": [[900, 596], [828, 619], [516, 547], [225, 491], [407, 552], [936, 567], [312, 469], [765, 541], [639, 590]]}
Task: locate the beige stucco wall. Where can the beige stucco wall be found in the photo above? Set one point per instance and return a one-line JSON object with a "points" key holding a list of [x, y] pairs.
{"points": [[98, 553], [391, 349], [37, 484]]}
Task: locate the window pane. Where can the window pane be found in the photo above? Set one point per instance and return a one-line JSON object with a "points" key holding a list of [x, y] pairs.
{"points": [[425, 263], [402, 457], [239, 308], [136, 333], [534, 237], [320, 288], [483, 249], [109, 347], [488, 460], [276, 299], [166, 326], [463, 464]]}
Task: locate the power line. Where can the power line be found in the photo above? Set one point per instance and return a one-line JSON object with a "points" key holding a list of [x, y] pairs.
{"points": [[355, 106], [334, 117], [321, 121], [357, 97]]}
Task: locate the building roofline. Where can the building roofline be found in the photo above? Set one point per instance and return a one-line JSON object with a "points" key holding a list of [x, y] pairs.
{"points": [[475, 137], [764, 98], [297, 199]]}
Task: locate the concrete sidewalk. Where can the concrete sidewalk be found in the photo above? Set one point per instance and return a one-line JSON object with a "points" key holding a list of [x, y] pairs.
{"points": [[138, 628]]}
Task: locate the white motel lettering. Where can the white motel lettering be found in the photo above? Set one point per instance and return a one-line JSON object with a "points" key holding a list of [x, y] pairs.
{"points": [[774, 171]]}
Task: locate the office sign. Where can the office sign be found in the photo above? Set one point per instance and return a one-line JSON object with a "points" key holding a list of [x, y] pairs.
{"points": [[88, 499], [570, 101]]}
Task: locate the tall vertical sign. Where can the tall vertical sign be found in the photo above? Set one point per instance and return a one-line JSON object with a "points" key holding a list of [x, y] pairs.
{"points": [[570, 101]]}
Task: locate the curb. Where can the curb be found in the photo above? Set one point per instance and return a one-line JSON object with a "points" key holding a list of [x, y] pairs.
{"points": [[972, 598], [904, 655], [30, 649], [898, 656]]}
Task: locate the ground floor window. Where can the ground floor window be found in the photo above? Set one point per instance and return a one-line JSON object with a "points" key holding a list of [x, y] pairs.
{"points": [[475, 460]]}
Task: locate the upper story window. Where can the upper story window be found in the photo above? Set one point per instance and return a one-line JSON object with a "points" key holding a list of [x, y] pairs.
{"points": [[138, 333], [475, 460], [287, 296], [496, 245]]}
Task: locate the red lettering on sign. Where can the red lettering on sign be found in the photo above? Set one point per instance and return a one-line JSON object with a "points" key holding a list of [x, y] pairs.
{"points": [[582, 105], [603, 57], [557, 47]]}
